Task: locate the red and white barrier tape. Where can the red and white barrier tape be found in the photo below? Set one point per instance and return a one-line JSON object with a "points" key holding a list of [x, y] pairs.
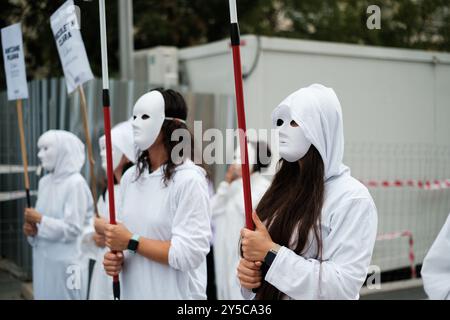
{"points": [[421, 184], [397, 235]]}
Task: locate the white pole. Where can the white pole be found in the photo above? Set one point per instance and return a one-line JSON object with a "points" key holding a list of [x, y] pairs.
{"points": [[103, 43], [233, 11]]}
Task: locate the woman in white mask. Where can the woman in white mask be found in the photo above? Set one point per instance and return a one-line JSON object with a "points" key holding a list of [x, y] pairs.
{"points": [[123, 154], [319, 223], [436, 266], [229, 217], [164, 239], [54, 228]]}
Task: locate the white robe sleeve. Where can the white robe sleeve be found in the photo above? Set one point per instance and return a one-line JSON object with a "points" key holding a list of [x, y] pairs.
{"points": [[88, 245], [31, 241], [191, 230], [247, 294], [219, 200], [75, 208], [348, 249], [436, 266]]}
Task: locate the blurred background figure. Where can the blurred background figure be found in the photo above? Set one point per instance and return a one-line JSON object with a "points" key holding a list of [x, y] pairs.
{"points": [[229, 216], [54, 228], [123, 154]]}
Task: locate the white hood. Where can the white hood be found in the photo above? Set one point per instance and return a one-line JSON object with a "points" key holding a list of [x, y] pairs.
{"points": [[318, 111], [70, 153], [122, 139]]}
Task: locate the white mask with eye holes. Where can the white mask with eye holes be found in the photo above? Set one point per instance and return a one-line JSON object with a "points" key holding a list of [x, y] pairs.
{"points": [[293, 145], [48, 153], [148, 117], [116, 154]]}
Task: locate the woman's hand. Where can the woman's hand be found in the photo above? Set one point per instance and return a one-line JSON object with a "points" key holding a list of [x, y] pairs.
{"points": [[99, 240], [99, 225], [32, 216], [256, 244], [29, 229], [249, 274], [117, 236], [112, 263]]}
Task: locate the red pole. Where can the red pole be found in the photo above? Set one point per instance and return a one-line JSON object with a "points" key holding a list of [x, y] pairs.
{"points": [[107, 124], [235, 44]]}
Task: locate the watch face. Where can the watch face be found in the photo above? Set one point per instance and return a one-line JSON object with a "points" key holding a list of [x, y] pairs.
{"points": [[132, 245]]}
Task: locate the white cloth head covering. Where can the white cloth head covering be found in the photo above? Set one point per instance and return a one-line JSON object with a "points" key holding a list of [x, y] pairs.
{"points": [[70, 152], [122, 139], [318, 111]]}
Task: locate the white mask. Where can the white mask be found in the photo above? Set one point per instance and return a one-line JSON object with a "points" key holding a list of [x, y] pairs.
{"points": [[116, 154], [47, 152], [293, 144], [148, 117]]}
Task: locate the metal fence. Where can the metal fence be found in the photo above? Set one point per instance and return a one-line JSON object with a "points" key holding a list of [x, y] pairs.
{"points": [[411, 188]]}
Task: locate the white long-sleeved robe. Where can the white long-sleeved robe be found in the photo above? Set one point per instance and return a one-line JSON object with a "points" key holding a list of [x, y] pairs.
{"points": [[349, 216], [436, 266], [179, 212], [228, 219], [100, 287], [65, 201]]}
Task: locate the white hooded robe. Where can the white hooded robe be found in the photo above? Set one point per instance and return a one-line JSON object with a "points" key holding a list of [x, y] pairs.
{"points": [[349, 216], [59, 269]]}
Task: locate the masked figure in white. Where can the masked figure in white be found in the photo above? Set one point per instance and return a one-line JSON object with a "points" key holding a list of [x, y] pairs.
{"points": [[123, 156], [164, 238], [229, 217], [436, 266], [316, 225], [63, 210]]}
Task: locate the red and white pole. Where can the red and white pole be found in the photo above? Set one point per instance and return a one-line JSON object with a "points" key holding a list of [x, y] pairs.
{"points": [[107, 123], [235, 45]]}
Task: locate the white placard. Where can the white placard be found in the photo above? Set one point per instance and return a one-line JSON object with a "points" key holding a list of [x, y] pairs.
{"points": [[16, 77], [66, 31]]}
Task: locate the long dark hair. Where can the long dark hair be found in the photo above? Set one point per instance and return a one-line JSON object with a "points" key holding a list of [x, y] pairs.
{"points": [[263, 155], [293, 203], [175, 107]]}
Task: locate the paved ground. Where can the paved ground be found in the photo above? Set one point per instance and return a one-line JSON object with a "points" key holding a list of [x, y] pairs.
{"points": [[411, 289], [405, 294], [10, 287]]}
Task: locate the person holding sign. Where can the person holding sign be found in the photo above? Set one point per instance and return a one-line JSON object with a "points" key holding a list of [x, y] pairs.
{"points": [[123, 155], [164, 239], [63, 210], [316, 225]]}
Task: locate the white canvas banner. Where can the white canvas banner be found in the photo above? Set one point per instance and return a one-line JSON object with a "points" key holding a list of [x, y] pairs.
{"points": [[13, 57], [74, 60]]}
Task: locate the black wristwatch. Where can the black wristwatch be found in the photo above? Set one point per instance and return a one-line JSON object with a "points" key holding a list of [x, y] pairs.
{"points": [[270, 256], [133, 243]]}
